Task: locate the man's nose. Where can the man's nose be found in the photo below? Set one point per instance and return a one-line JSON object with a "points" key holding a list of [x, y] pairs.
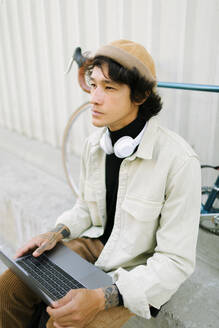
{"points": [[96, 96]]}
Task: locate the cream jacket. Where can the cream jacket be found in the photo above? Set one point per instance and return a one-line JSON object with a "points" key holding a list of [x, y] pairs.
{"points": [[152, 248]]}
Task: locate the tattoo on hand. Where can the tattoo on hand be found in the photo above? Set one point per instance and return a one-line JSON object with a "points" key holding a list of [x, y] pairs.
{"points": [[62, 229], [111, 296]]}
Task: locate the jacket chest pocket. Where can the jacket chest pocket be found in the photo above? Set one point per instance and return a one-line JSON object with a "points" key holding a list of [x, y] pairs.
{"points": [[140, 220], [90, 198]]}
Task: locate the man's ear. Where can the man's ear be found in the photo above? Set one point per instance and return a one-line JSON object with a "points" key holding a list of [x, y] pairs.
{"points": [[147, 94]]}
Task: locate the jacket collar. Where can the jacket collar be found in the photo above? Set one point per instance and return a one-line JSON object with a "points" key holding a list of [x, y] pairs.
{"points": [[146, 146]]}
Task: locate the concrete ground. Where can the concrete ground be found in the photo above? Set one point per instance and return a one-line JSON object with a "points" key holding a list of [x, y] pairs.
{"points": [[33, 192]]}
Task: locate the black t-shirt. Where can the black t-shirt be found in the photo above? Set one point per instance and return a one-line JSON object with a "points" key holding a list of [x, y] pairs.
{"points": [[112, 172]]}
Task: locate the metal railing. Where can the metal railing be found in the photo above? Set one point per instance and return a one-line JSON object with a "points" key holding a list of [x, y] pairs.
{"points": [[189, 86]]}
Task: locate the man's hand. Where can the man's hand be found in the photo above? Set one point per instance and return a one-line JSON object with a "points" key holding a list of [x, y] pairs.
{"points": [[43, 242], [77, 308]]}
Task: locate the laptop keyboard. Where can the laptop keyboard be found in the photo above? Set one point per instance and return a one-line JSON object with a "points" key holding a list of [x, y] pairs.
{"points": [[49, 277]]}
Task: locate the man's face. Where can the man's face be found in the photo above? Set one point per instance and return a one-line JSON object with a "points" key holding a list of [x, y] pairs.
{"points": [[111, 103]]}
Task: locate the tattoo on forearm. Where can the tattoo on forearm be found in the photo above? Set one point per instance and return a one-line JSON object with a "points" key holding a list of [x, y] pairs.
{"points": [[111, 296], [62, 229]]}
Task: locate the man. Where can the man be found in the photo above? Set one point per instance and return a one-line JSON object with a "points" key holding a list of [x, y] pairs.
{"points": [[137, 214]]}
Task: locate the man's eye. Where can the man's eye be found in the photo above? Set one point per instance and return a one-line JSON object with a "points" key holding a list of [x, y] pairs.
{"points": [[92, 85], [110, 88]]}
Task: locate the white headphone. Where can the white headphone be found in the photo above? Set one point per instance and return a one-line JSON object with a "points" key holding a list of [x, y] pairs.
{"points": [[123, 147]]}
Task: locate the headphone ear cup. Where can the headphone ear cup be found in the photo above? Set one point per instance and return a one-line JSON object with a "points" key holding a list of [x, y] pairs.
{"points": [[124, 147], [106, 143]]}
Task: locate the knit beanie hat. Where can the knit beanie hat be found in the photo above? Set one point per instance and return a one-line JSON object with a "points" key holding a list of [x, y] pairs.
{"points": [[130, 54]]}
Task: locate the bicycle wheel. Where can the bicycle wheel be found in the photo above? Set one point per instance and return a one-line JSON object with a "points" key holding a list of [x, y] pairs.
{"points": [[210, 224], [69, 153]]}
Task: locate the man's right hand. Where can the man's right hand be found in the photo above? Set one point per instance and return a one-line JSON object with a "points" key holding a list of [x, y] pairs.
{"points": [[39, 244], [43, 242]]}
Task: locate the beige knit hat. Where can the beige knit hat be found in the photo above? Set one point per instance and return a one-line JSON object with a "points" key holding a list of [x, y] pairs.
{"points": [[130, 54]]}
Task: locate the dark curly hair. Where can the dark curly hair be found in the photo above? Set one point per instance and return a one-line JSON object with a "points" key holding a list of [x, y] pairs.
{"points": [[138, 85]]}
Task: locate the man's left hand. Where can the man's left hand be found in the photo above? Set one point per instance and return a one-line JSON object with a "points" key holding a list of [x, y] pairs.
{"points": [[77, 308]]}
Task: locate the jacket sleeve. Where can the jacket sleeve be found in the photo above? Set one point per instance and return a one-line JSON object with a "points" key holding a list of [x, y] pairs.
{"points": [[78, 218], [174, 257]]}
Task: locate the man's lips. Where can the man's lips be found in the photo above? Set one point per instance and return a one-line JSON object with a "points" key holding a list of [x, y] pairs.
{"points": [[96, 113]]}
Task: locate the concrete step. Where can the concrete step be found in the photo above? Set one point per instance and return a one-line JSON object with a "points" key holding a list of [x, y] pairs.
{"points": [[34, 191]]}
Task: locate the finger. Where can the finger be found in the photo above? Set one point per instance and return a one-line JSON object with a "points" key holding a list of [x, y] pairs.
{"points": [[47, 244], [64, 300], [64, 324], [68, 319], [61, 302], [55, 324], [40, 249], [61, 311], [25, 249], [71, 319]]}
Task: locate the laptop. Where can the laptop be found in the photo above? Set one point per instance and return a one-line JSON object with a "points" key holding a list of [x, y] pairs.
{"points": [[55, 272]]}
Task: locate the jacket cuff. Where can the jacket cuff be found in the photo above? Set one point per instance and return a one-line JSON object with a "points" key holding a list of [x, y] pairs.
{"points": [[135, 301], [76, 227]]}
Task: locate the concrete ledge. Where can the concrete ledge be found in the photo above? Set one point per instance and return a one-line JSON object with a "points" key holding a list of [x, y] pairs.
{"points": [[40, 155], [33, 192], [30, 199]]}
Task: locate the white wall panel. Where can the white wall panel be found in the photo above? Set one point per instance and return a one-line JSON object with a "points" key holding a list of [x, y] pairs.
{"points": [[9, 82], [37, 39]]}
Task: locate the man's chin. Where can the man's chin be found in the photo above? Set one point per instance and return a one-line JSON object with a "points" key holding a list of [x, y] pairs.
{"points": [[98, 124]]}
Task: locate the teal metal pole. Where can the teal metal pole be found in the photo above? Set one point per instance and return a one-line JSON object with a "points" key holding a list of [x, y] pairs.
{"points": [[189, 86]]}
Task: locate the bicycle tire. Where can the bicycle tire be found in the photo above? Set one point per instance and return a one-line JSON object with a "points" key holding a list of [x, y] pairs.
{"points": [[210, 225], [65, 142]]}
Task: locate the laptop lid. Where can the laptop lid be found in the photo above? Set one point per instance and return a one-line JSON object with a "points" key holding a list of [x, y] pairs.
{"points": [[81, 270]]}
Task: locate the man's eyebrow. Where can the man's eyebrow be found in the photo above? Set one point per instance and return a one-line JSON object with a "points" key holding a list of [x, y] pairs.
{"points": [[105, 81]]}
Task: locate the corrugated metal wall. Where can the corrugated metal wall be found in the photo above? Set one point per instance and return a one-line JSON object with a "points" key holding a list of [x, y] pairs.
{"points": [[37, 39]]}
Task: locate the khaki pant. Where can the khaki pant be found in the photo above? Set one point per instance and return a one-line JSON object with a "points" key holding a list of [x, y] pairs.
{"points": [[18, 303]]}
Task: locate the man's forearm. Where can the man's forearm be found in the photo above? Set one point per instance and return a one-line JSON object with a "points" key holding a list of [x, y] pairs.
{"points": [[112, 296]]}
